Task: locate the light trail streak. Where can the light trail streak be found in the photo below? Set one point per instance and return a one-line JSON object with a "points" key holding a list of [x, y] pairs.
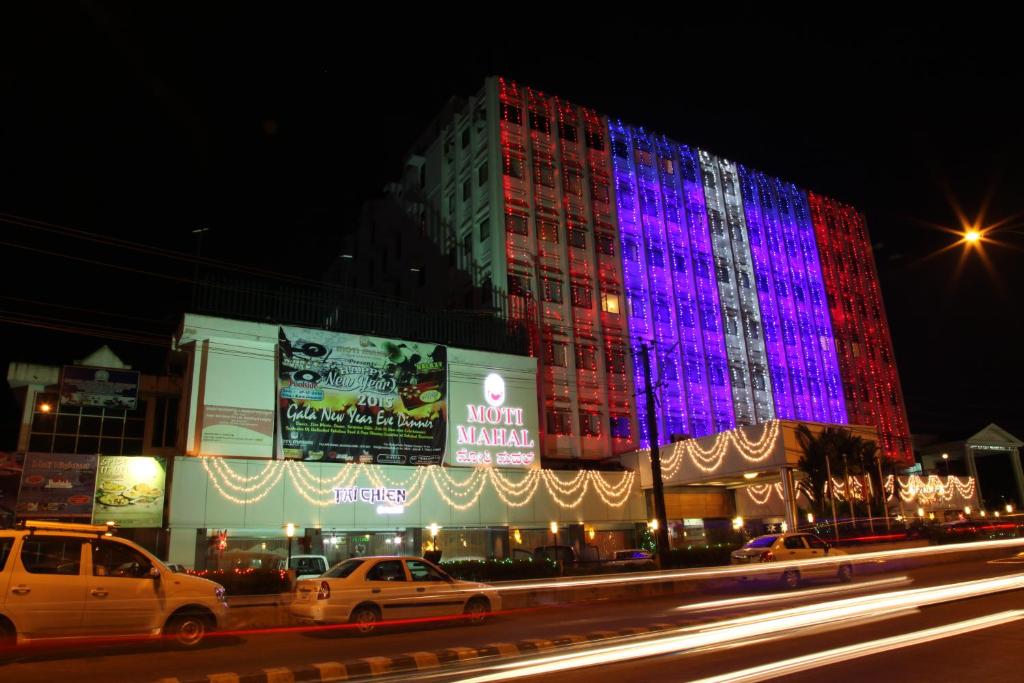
{"points": [[734, 571], [745, 629], [872, 647], [790, 595]]}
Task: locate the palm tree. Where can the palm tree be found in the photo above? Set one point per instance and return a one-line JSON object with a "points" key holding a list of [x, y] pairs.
{"points": [[828, 447]]}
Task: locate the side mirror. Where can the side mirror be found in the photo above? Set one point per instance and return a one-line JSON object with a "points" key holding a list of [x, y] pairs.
{"points": [[154, 573]]}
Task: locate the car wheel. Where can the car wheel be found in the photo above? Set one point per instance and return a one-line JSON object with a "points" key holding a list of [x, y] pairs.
{"points": [[791, 579], [845, 574], [8, 638], [365, 618], [476, 610], [187, 630]]}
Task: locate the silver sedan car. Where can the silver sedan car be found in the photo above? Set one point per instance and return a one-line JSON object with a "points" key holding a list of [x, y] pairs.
{"points": [[782, 548]]}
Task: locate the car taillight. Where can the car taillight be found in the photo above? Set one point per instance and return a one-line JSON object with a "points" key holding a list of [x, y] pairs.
{"points": [[767, 556], [325, 591]]}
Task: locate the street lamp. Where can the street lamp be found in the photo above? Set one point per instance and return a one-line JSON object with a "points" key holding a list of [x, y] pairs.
{"points": [[945, 458], [558, 555], [433, 529], [1009, 507], [972, 235], [289, 531]]}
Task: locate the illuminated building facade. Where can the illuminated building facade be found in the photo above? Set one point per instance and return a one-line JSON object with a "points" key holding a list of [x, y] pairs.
{"points": [[758, 299]]}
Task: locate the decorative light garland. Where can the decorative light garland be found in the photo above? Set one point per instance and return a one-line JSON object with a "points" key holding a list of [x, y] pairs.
{"points": [[459, 494], [709, 460]]}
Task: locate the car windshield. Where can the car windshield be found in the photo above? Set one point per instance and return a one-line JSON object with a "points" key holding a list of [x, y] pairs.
{"points": [[343, 569], [308, 565], [761, 542]]}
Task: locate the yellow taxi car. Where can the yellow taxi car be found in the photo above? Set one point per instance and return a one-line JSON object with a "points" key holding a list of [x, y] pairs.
{"points": [[78, 580], [364, 591]]}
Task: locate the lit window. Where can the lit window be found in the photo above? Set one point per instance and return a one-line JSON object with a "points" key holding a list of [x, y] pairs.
{"points": [[555, 354], [610, 303], [548, 231]]}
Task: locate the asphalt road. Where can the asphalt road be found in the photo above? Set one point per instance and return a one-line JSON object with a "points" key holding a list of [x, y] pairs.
{"points": [[252, 652]]}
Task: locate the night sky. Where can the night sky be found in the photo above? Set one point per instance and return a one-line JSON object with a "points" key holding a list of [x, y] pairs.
{"points": [[271, 126]]}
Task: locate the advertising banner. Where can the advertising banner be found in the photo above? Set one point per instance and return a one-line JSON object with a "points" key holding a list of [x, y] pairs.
{"points": [[10, 478], [99, 387], [352, 398], [227, 430], [55, 485], [130, 491]]}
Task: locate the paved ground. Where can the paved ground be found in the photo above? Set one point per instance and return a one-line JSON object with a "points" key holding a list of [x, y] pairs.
{"points": [[253, 652]]}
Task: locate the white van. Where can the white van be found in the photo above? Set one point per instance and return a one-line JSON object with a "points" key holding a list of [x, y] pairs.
{"points": [[78, 580]]}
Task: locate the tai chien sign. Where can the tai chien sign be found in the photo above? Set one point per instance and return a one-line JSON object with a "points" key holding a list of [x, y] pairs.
{"points": [[494, 426]]}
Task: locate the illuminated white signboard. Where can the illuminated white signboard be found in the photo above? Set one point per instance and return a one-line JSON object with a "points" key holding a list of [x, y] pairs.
{"points": [[388, 501], [500, 431]]}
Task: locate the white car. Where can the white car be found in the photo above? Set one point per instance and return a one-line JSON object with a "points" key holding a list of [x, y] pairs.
{"points": [[780, 548], [367, 590], [76, 580], [308, 566]]}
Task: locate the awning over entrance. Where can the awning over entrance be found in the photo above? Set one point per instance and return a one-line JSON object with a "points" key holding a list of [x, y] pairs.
{"points": [[738, 457]]}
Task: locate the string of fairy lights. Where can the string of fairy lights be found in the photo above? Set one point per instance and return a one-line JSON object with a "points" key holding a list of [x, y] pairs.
{"points": [[709, 459], [913, 489], [460, 492]]}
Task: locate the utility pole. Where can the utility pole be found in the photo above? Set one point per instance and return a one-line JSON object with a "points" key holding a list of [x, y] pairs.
{"points": [[195, 270], [849, 492], [661, 533], [881, 486]]}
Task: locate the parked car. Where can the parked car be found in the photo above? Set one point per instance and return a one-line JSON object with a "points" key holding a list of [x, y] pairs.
{"points": [[66, 580], [564, 553], [782, 548], [308, 566], [367, 590], [631, 558]]}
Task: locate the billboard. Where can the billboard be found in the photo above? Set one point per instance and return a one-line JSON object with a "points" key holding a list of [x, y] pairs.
{"points": [[130, 491], [55, 485], [10, 478], [99, 387], [354, 398], [493, 418]]}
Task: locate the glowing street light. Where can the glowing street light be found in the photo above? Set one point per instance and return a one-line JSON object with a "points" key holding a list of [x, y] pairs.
{"points": [[289, 531], [972, 235]]}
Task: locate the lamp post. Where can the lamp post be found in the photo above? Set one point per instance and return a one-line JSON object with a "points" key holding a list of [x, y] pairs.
{"points": [[289, 532], [558, 555], [945, 459]]}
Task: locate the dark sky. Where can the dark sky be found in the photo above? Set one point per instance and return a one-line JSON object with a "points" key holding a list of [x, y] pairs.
{"points": [[270, 126]]}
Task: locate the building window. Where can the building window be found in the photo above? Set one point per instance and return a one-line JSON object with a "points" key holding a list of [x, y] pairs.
{"points": [[86, 429], [582, 296], [573, 183], [451, 205], [546, 175], [615, 360], [669, 166], [595, 140], [465, 137], [559, 422], [610, 303], [605, 244], [467, 190], [586, 357], [518, 286], [555, 354], [601, 193], [514, 167], [481, 175], [467, 246], [590, 424], [643, 157], [539, 122], [619, 426], [516, 223], [511, 113], [567, 131], [577, 238], [552, 290], [485, 229], [548, 231], [620, 149]]}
